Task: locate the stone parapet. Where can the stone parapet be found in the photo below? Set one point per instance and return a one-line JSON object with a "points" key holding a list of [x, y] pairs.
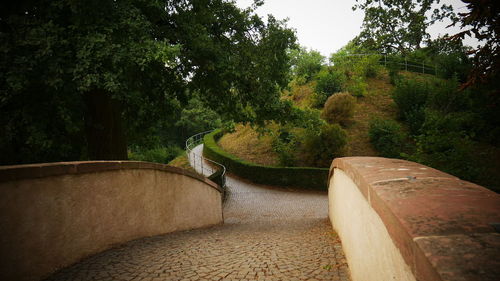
{"points": [[53, 215], [439, 227]]}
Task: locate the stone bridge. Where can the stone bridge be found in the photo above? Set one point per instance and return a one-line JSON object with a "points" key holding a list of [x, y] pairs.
{"points": [[394, 219]]}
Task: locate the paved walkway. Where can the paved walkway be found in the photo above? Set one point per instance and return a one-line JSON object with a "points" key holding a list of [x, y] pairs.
{"points": [[268, 234]]}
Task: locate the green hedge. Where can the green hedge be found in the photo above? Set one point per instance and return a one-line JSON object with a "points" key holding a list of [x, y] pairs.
{"points": [[305, 177]]}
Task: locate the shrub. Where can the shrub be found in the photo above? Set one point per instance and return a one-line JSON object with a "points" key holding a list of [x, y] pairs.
{"points": [[387, 137], [339, 108], [302, 95], [158, 155], [453, 65], [368, 66], [284, 145], [446, 97], [357, 86], [197, 117], [359, 65], [289, 137], [411, 95], [394, 75], [305, 63], [446, 144], [328, 81], [321, 147]]}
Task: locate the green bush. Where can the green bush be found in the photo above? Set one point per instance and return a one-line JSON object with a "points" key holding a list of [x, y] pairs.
{"points": [[410, 95], [357, 65], [305, 177], [445, 97], [305, 63], [161, 155], [197, 117], [357, 86], [394, 75], [339, 108], [322, 146], [415, 119], [368, 66], [446, 144], [387, 137], [450, 58], [453, 65], [288, 138], [284, 144], [328, 82]]}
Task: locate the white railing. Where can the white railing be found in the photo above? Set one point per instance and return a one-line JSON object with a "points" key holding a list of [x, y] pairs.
{"points": [[202, 165]]}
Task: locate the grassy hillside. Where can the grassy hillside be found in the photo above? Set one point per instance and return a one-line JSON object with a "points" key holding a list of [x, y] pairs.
{"points": [[376, 103], [246, 143], [448, 133]]}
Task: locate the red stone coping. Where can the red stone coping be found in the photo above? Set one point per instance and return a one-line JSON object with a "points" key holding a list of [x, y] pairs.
{"points": [[443, 226], [32, 171]]}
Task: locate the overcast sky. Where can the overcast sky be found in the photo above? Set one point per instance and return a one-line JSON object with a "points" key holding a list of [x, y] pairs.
{"points": [[327, 25]]}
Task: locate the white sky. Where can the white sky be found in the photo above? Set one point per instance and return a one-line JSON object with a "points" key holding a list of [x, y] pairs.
{"points": [[327, 25]]}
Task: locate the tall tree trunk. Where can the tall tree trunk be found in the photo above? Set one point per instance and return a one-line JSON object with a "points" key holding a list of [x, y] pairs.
{"points": [[103, 122]]}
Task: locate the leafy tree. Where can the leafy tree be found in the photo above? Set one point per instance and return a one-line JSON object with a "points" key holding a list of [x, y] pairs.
{"points": [[306, 63], [79, 77], [450, 58], [482, 21], [70, 69], [196, 118], [236, 61], [398, 25], [329, 81]]}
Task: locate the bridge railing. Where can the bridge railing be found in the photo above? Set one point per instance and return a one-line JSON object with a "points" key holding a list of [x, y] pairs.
{"points": [[212, 169]]}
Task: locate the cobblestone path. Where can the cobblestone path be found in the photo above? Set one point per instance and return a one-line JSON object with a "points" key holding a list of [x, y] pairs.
{"points": [[268, 234]]}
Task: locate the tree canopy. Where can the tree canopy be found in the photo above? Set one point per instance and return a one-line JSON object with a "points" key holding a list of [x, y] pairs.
{"points": [[482, 21], [399, 25], [306, 63], [79, 77]]}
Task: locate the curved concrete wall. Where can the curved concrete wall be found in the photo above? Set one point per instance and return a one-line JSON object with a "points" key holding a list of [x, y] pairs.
{"points": [[400, 220], [53, 215]]}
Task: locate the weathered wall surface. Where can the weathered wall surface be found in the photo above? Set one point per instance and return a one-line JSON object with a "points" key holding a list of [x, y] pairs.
{"points": [[52, 215], [368, 246], [400, 220]]}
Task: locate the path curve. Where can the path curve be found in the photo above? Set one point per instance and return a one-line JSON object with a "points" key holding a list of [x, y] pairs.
{"points": [[269, 233]]}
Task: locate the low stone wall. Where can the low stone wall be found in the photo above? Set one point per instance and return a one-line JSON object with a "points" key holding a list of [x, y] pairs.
{"points": [[53, 215], [400, 220]]}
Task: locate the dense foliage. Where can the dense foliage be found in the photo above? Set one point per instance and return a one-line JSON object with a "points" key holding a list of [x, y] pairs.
{"points": [[398, 25], [305, 64], [84, 79], [387, 137], [339, 109], [324, 145], [328, 82], [482, 21], [449, 127]]}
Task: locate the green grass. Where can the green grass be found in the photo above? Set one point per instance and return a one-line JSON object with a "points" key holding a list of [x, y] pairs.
{"points": [[302, 177]]}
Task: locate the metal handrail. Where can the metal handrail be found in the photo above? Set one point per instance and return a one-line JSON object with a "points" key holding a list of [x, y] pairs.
{"points": [[390, 59], [196, 160]]}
